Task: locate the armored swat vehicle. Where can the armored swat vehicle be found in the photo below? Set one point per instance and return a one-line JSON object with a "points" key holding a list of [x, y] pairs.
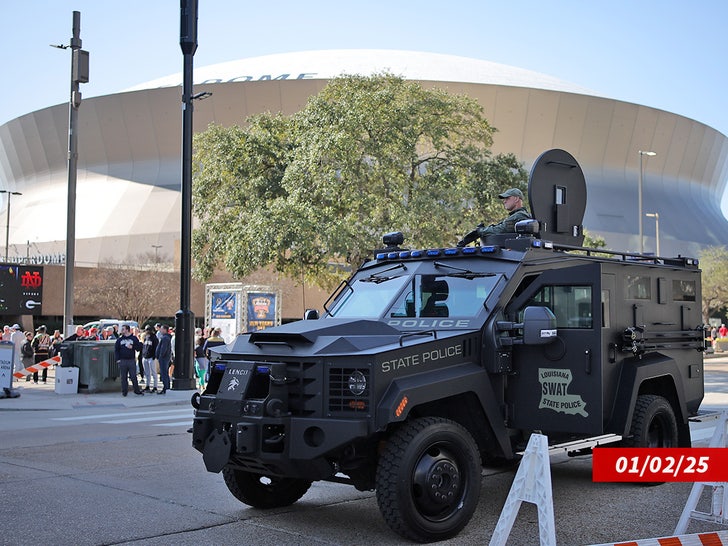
{"points": [[428, 363]]}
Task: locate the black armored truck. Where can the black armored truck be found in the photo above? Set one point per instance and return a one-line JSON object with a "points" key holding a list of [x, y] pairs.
{"points": [[428, 363]]}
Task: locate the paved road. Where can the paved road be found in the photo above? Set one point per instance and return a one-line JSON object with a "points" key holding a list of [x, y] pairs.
{"points": [[102, 469]]}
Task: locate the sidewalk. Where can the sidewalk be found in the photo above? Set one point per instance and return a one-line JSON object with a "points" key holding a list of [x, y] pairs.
{"points": [[43, 397]]}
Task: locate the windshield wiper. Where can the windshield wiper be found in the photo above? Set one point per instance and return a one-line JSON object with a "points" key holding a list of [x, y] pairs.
{"points": [[375, 278], [464, 273]]}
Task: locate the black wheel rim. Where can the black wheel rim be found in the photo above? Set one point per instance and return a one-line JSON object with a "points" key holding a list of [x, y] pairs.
{"points": [[658, 433], [438, 483]]}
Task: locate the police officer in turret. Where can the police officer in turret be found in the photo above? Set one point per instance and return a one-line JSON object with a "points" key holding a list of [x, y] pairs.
{"points": [[513, 202]]}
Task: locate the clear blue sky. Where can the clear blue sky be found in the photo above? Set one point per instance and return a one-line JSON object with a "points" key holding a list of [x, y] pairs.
{"points": [[668, 54]]}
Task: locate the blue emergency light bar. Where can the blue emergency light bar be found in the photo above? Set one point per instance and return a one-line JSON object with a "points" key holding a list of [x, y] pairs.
{"points": [[434, 252]]}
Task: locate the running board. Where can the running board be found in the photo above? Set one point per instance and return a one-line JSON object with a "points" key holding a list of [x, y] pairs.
{"points": [[578, 445]]}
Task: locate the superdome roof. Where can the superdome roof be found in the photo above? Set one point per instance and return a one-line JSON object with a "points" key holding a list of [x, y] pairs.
{"points": [[331, 63]]}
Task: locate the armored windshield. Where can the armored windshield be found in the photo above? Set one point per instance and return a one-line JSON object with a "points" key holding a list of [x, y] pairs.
{"points": [[368, 297], [446, 295], [451, 294]]}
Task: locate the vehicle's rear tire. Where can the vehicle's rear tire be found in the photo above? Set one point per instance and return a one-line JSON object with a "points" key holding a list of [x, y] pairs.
{"points": [[261, 491], [653, 423], [428, 479]]}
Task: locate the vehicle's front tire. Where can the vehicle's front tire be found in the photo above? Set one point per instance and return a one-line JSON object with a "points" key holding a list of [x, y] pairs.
{"points": [[261, 491], [428, 479]]}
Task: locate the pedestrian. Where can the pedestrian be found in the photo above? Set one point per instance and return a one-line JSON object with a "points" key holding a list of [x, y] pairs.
{"points": [[214, 340], [164, 356], [18, 338], [27, 354], [7, 332], [723, 331], [125, 352], [149, 351], [41, 349], [172, 344], [200, 361], [56, 340]]}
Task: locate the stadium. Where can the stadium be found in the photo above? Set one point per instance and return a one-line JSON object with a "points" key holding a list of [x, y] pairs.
{"points": [[129, 167]]}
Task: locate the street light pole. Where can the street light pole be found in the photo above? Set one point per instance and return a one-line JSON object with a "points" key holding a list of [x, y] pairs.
{"points": [[184, 319], [79, 74], [656, 216], [639, 198], [7, 224]]}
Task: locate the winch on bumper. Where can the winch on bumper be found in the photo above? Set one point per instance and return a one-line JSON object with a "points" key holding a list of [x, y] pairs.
{"points": [[244, 419]]}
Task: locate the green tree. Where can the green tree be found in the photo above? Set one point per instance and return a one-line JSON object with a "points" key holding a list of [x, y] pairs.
{"points": [[365, 156], [593, 241], [714, 264]]}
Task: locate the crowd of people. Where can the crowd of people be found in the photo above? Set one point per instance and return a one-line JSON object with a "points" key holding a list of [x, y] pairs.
{"points": [[147, 353], [32, 348], [150, 354]]}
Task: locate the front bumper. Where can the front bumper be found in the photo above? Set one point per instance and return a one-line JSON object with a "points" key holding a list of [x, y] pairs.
{"points": [[291, 447]]}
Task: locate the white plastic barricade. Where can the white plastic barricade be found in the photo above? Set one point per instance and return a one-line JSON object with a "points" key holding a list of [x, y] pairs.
{"points": [[7, 356], [531, 484]]}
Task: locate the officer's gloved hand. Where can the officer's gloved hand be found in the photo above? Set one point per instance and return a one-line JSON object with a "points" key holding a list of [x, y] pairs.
{"points": [[470, 237]]}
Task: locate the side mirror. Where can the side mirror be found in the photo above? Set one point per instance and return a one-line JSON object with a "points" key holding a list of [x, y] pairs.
{"points": [[310, 314], [539, 325]]}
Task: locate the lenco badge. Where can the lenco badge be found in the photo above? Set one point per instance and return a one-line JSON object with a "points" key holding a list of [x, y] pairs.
{"points": [[235, 380]]}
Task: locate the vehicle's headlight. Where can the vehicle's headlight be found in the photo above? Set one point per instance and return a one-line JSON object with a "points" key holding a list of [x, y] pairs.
{"points": [[357, 383]]}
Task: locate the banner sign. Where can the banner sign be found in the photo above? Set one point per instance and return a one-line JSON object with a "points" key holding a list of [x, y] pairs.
{"points": [[236, 308], [224, 305], [261, 311]]}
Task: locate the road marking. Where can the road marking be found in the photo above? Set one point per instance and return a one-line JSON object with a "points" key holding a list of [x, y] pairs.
{"points": [[147, 419], [118, 414]]}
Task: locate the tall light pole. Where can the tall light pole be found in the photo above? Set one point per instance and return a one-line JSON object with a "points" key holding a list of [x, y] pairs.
{"points": [[79, 74], [184, 318], [7, 224], [656, 216], [639, 197]]}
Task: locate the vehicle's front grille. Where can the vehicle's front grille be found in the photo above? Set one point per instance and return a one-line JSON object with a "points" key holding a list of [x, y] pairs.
{"points": [[304, 387]]}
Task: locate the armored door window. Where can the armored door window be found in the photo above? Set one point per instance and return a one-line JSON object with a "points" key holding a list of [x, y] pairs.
{"points": [[683, 290], [572, 305], [639, 287]]}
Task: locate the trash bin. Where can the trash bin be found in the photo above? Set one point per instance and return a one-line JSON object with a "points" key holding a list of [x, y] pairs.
{"points": [[97, 367], [67, 351]]}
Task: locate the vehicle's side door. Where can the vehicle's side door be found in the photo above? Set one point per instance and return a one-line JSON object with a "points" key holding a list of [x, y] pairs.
{"points": [[558, 386]]}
